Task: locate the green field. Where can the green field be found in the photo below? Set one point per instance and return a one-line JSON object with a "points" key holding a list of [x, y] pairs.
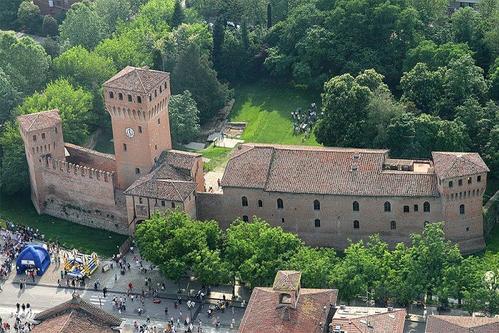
{"points": [[19, 210], [216, 155], [267, 111]]}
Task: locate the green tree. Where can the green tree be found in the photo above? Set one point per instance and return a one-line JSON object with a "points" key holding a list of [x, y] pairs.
{"points": [[209, 268], [494, 80], [431, 10], [82, 26], [479, 121], [184, 117], [28, 15], [315, 264], [51, 47], [9, 97], [255, 251], [193, 72], [24, 61], [434, 56], [112, 12], [14, 175], [218, 40], [74, 104], [8, 13], [178, 15], [49, 26]]}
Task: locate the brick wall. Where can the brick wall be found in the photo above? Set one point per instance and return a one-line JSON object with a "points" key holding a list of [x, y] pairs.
{"points": [[90, 158]]}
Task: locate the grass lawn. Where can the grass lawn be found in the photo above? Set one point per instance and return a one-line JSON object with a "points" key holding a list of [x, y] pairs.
{"points": [[217, 156], [267, 110], [19, 210]]}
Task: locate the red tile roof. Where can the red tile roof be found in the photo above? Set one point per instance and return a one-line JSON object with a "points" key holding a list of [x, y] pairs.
{"points": [[459, 324], [449, 165], [75, 316], [39, 120], [263, 314], [287, 280], [136, 79], [321, 170], [384, 322]]}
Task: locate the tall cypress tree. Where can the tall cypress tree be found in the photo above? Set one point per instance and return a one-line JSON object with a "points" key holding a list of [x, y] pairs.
{"points": [[244, 35], [269, 15], [218, 39], [178, 14]]}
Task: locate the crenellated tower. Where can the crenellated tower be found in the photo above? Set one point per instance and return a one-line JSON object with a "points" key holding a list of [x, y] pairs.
{"points": [[137, 100], [42, 136]]}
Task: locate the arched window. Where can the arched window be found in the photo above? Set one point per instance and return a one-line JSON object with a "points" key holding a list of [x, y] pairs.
{"points": [[129, 98], [280, 204], [317, 223], [317, 205], [356, 224], [111, 94], [355, 206], [426, 206], [260, 203], [244, 201], [245, 218], [139, 99], [120, 96], [461, 209], [393, 225], [388, 207]]}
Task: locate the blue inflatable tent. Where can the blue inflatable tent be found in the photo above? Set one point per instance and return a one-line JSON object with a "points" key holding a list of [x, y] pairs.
{"points": [[33, 256]]}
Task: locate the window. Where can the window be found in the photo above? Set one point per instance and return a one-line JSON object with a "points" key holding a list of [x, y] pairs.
{"points": [[160, 89], [467, 228], [416, 208], [51, 3], [317, 223], [469, 180], [280, 204], [34, 137], [111, 94], [124, 147], [150, 98], [393, 225], [165, 85], [426, 207], [139, 99], [140, 129], [129, 98], [478, 179], [163, 203], [406, 209], [355, 206], [137, 171], [244, 201], [156, 147], [451, 184], [159, 121], [461, 209], [140, 200], [356, 224], [173, 205], [155, 93], [282, 220], [120, 96], [43, 136], [245, 218], [460, 182], [260, 203], [55, 129], [388, 207], [317, 205]]}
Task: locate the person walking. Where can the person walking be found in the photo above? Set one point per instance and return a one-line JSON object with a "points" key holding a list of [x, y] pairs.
{"points": [[104, 291]]}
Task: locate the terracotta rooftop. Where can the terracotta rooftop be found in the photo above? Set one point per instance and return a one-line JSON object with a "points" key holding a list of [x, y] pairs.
{"points": [[321, 170], [171, 180], [287, 281], [39, 120], [136, 79], [449, 165], [262, 314], [361, 320], [75, 316], [458, 324]]}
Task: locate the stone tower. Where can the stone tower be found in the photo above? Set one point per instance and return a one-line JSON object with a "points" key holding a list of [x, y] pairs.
{"points": [[42, 136], [137, 100]]}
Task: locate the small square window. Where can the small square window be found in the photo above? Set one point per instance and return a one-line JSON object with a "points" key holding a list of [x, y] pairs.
{"points": [[479, 179], [137, 171], [129, 98], [451, 184], [43, 136], [260, 203], [159, 121], [173, 204], [124, 147], [460, 182], [140, 200], [469, 180], [163, 203], [140, 129], [282, 220], [120, 96], [156, 147], [34, 137], [317, 223], [416, 208], [406, 209], [467, 228], [139, 99], [111, 94], [55, 129]]}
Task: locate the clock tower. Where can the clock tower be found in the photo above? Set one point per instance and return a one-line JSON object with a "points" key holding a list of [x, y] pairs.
{"points": [[137, 100]]}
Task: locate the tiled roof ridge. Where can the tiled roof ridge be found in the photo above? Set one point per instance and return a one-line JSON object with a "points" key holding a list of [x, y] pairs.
{"points": [[66, 322], [140, 80], [35, 116], [189, 153], [449, 319], [316, 148]]}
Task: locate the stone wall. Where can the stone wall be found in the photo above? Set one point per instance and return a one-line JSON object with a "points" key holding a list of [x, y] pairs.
{"points": [[82, 195], [209, 207]]}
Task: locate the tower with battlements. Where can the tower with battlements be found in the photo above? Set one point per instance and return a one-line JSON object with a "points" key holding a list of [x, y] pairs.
{"points": [[42, 136], [137, 100]]}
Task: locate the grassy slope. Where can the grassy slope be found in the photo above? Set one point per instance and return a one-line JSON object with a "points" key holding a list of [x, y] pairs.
{"points": [[267, 110], [19, 210], [216, 155]]}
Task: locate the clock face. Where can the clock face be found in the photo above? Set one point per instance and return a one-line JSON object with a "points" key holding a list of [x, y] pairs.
{"points": [[129, 132]]}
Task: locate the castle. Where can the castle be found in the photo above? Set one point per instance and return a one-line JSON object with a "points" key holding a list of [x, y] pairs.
{"points": [[325, 195]]}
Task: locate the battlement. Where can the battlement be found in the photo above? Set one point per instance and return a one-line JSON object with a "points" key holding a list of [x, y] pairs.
{"points": [[77, 170]]}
